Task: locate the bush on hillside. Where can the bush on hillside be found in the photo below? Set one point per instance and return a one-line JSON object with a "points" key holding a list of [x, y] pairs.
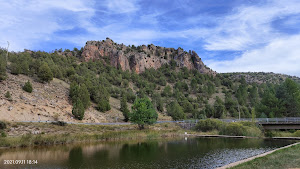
{"points": [[2, 125], [27, 87], [8, 96]]}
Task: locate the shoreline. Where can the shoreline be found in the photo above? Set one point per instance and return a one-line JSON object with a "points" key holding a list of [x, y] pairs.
{"points": [[36, 134], [255, 157], [46, 134]]}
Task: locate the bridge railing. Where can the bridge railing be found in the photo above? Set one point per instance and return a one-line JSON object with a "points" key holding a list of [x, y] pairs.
{"points": [[267, 120], [260, 120]]}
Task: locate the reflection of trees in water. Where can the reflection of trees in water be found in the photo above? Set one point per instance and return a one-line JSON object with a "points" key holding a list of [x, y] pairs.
{"points": [[76, 157], [141, 151], [101, 155]]}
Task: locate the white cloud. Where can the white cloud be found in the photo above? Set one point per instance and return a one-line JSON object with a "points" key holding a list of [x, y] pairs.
{"points": [[249, 26], [280, 56], [121, 6], [26, 23]]}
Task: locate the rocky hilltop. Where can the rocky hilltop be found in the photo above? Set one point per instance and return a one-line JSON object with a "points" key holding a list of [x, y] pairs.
{"points": [[143, 57]]}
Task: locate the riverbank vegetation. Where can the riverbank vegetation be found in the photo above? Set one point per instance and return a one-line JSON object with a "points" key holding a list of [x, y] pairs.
{"points": [[285, 158], [233, 129], [33, 134]]}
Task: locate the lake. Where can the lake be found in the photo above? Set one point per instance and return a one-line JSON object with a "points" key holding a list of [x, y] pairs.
{"points": [[175, 153]]}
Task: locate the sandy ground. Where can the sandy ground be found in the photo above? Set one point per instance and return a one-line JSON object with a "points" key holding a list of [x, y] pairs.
{"points": [[49, 101]]}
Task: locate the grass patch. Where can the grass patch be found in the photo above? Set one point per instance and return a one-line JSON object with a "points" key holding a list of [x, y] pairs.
{"points": [[76, 133], [285, 158], [232, 129]]}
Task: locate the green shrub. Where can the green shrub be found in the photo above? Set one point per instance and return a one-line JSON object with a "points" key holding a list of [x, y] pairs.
{"points": [[27, 87], [242, 129], [234, 129], [44, 73], [78, 109], [175, 111], [297, 133], [59, 123], [3, 134], [2, 125], [209, 125], [8, 96], [103, 105]]}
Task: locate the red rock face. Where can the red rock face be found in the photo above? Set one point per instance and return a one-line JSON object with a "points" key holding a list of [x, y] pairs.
{"points": [[141, 58]]}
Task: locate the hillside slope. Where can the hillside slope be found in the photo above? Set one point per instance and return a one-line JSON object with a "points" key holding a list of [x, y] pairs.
{"points": [[99, 75]]}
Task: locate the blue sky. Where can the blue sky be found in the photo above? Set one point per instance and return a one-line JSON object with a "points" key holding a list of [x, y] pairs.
{"points": [[229, 35]]}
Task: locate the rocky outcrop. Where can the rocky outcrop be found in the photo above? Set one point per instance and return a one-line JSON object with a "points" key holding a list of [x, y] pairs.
{"points": [[143, 57]]}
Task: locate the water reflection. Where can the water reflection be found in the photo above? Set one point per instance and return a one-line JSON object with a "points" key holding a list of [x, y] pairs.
{"points": [[180, 153]]}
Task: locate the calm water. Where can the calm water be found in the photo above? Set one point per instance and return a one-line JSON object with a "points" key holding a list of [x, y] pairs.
{"points": [[181, 153]]}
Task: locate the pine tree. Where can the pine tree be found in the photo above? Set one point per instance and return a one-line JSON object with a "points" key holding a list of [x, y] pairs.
{"points": [[103, 105], [78, 109], [253, 114], [175, 111], [124, 108], [8, 96], [15, 68], [84, 96], [2, 67], [27, 87], [45, 73]]}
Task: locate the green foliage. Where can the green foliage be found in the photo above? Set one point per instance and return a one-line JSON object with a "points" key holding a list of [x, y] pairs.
{"points": [[15, 68], [297, 133], [175, 111], [8, 96], [234, 129], [270, 103], [80, 92], [78, 109], [209, 111], [253, 114], [124, 108], [143, 113], [157, 102], [289, 95], [27, 87], [167, 92], [84, 96], [242, 129], [2, 125], [209, 125], [187, 106], [45, 73], [2, 65], [3, 134], [219, 108], [103, 105]]}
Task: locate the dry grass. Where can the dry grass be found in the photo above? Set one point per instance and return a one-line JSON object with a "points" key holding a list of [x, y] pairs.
{"points": [[50, 134]]}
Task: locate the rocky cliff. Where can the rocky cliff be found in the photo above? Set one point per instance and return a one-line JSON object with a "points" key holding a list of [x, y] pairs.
{"points": [[143, 57]]}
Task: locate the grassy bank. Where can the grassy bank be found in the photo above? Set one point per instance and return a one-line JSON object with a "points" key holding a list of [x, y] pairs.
{"points": [[20, 134], [285, 158], [232, 129]]}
